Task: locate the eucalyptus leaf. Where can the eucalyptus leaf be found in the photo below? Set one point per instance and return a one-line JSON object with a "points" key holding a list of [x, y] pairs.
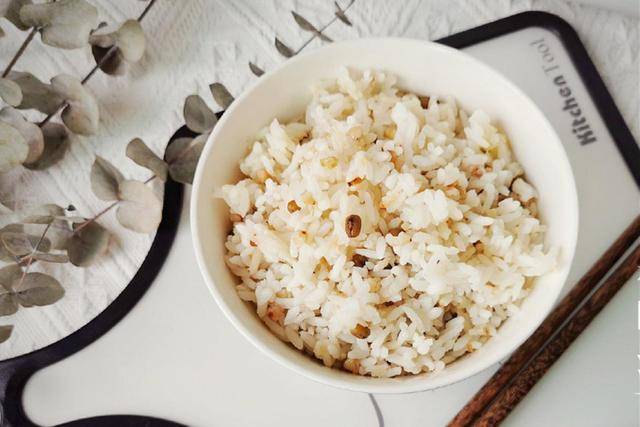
{"points": [[72, 219], [42, 214], [198, 117], [138, 151], [81, 115], [58, 228], [13, 148], [87, 243], [182, 156], [17, 244], [339, 13], [11, 11], [10, 92], [140, 209], [60, 232], [8, 304], [35, 94], [37, 289], [20, 244], [5, 255], [4, 209], [284, 50], [308, 26], [48, 257], [8, 276], [65, 23], [255, 69], [221, 95], [5, 332], [129, 40], [31, 133], [56, 144], [303, 23], [105, 179], [109, 60]]}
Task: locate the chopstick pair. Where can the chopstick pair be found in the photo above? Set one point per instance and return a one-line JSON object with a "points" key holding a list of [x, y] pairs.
{"points": [[526, 366]]}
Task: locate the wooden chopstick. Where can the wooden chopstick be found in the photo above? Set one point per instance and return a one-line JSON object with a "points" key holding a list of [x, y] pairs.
{"points": [[563, 310], [502, 406]]}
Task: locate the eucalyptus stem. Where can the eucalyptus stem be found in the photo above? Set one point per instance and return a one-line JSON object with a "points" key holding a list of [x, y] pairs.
{"points": [[30, 256], [105, 210], [324, 27], [107, 56], [20, 51]]}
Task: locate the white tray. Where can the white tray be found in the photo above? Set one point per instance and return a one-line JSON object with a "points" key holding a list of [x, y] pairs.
{"points": [[175, 356]]}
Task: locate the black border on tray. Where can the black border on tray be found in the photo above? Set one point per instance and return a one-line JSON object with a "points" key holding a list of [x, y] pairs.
{"points": [[15, 372], [598, 91]]}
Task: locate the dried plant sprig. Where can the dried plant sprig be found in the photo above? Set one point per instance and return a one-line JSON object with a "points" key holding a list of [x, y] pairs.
{"points": [[104, 60], [304, 24], [139, 208], [62, 238], [35, 249], [128, 42], [66, 24], [341, 15], [80, 114], [19, 287]]}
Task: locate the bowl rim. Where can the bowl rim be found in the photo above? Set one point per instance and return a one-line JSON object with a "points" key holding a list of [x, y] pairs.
{"points": [[362, 383]]}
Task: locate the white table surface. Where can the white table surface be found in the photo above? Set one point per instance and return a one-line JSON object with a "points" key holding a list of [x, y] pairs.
{"points": [[191, 44]]}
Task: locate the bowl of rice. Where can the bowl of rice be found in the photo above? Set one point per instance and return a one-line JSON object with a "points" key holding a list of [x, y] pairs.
{"points": [[384, 215]]}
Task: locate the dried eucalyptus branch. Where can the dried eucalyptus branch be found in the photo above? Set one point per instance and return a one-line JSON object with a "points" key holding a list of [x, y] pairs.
{"points": [[67, 24], [104, 59], [340, 13], [104, 211], [324, 27], [304, 24]]}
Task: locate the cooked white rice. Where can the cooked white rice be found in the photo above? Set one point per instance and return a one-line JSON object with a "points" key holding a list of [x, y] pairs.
{"points": [[448, 239]]}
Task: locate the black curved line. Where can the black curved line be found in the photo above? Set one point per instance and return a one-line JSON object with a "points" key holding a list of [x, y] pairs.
{"points": [[121, 421], [376, 408]]}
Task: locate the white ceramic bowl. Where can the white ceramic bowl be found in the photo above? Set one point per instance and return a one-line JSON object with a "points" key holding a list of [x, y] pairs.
{"points": [[422, 67]]}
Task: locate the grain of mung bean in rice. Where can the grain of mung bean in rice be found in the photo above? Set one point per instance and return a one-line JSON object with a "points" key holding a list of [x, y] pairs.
{"points": [[384, 233]]}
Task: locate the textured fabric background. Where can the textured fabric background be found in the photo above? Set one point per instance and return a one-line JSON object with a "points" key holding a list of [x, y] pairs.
{"points": [[191, 43]]}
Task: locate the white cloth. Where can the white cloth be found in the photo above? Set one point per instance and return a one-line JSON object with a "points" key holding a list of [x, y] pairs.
{"points": [[193, 43]]}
